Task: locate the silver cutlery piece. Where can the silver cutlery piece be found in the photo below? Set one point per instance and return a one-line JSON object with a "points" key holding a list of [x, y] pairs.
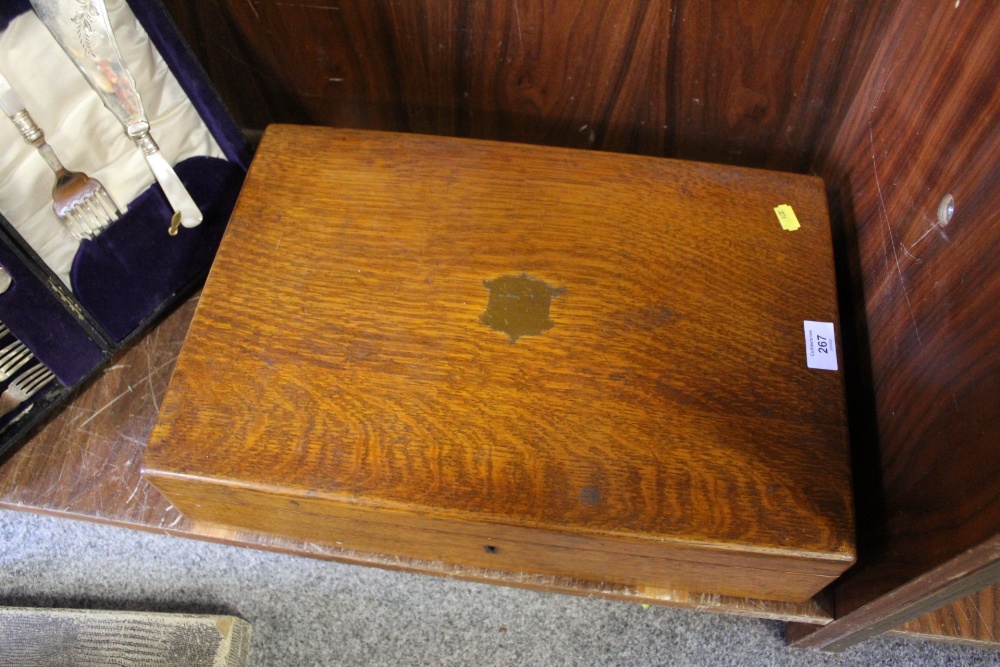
{"points": [[83, 29], [24, 387], [79, 201], [3, 330], [12, 358]]}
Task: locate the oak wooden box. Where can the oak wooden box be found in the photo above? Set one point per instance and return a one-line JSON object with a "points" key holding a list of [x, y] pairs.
{"points": [[341, 382]]}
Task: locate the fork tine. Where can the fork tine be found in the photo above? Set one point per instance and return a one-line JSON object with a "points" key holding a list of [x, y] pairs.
{"points": [[93, 225], [11, 367], [23, 387], [96, 213], [83, 224], [13, 361], [28, 376], [108, 202], [11, 349], [106, 212], [74, 225], [100, 210], [38, 380], [3, 330]]}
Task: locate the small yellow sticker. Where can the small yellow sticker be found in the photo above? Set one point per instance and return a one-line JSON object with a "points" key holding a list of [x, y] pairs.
{"points": [[786, 216]]}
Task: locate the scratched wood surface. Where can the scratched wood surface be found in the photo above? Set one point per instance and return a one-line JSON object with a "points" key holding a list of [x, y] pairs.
{"points": [[932, 293], [924, 124], [665, 431], [725, 81], [86, 465], [973, 620]]}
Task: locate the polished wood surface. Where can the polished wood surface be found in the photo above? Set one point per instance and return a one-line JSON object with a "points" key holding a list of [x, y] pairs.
{"points": [[85, 464], [736, 82], [666, 430]]}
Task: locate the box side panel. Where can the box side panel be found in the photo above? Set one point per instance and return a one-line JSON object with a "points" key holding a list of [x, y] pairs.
{"points": [[411, 535]]}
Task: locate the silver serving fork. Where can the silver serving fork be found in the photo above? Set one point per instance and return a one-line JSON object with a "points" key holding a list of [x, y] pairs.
{"points": [[81, 202], [24, 387], [12, 358]]}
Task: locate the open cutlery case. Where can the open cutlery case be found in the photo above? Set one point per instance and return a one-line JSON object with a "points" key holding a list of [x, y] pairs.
{"points": [[75, 303]]}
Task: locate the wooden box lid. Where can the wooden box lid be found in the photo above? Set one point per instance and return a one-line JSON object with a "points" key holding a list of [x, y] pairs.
{"points": [[604, 349]]}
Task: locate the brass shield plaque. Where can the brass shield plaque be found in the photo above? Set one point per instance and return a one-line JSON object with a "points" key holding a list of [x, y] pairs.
{"points": [[519, 305]]}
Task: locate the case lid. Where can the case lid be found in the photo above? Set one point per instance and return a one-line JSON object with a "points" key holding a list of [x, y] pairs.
{"points": [[590, 343]]}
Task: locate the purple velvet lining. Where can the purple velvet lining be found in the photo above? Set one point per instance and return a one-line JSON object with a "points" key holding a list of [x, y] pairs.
{"points": [[162, 31], [125, 274], [35, 316]]}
